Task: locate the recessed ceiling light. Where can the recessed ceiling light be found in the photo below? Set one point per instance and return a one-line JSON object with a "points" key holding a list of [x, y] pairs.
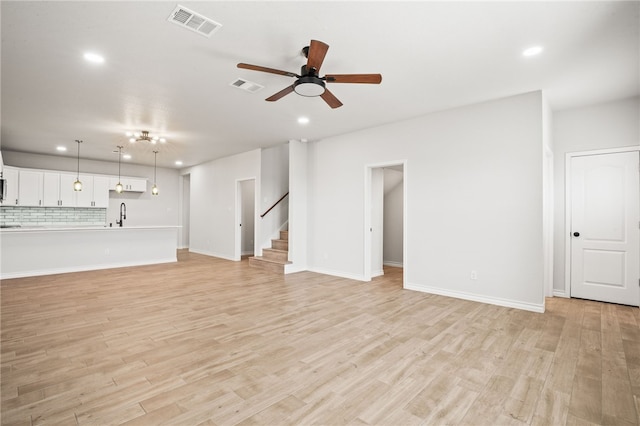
{"points": [[61, 148], [532, 51], [303, 120], [178, 163], [94, 57], [126, 156]]}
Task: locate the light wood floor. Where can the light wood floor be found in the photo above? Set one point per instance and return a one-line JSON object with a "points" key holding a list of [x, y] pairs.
{"points": [[209, 341]]}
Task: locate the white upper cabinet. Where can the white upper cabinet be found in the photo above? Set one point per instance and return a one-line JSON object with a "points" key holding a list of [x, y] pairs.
{"points": [[129, 184], [36, 188], [30, 188], [10, 175], [100, 191], [51, 190], [67, 193]]}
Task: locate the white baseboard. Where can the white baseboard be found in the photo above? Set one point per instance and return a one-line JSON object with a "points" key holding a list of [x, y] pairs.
{"points": [[213, 254], [560, 293], [84, 268], [338, 274], [477, 298], [292, 268], [377, 273], [394, 264]]}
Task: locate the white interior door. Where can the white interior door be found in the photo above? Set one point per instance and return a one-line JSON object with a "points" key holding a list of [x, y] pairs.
{"points": [[605, 234]]}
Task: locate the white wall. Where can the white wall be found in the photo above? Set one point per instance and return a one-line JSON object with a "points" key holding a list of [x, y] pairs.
{"points": [[609, 125], [298, 206], [213, 202], [142, 208], [393, 205], [474, 194]]}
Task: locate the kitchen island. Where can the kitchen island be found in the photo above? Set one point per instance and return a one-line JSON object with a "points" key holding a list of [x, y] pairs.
{"points": [[32, 251]]}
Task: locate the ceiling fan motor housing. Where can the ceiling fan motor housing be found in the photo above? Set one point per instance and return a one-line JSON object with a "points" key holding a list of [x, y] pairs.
{"points": [[309, 85]]}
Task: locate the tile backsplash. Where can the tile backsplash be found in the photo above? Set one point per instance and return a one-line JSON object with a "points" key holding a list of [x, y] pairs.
{"points": [[39, 216]]}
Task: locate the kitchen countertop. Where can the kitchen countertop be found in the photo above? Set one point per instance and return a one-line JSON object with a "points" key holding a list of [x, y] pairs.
{"points": [[53, 228]]}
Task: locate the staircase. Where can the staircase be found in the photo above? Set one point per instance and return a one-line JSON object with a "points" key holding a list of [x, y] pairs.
{"points": [[273, 259]]}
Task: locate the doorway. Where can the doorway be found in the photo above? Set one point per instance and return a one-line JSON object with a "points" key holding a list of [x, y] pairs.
{"points": [[185, 212], [245, 218], [385, 218], [603, 218]]}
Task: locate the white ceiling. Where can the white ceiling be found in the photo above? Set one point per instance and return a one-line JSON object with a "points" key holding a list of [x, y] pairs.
{"points": [[176, 83]]}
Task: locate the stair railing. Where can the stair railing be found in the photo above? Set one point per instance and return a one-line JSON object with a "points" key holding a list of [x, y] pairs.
{"points": [[274, 204]]}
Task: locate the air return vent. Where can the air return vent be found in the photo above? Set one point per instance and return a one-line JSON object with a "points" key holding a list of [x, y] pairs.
{"points": [[246, 85], [193, 21]]}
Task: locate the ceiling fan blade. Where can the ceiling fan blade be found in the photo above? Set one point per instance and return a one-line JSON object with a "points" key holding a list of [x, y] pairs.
{"points": [[330, 99], [317, 52], [265, 69], [353, 78], [280, 94]]}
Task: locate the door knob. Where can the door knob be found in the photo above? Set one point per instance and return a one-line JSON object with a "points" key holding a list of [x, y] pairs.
{"points": [[576, 234]]}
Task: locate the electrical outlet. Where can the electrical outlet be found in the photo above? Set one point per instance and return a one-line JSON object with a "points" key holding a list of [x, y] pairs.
{"points": [[474, 275]]}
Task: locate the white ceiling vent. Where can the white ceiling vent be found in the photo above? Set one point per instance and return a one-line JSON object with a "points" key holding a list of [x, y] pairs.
{"points": [[194, 22], [247, 85]]}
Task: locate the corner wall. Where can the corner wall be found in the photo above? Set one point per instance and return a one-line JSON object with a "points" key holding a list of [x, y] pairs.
{"points": [[474, 189], [213, 202]]}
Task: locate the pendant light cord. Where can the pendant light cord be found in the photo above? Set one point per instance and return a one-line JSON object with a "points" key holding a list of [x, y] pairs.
{"points": [[155, 162], [119, 157], [78, 174]]}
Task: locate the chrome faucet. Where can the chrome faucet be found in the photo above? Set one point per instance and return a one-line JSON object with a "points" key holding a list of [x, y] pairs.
{"points": [[123, 214]]}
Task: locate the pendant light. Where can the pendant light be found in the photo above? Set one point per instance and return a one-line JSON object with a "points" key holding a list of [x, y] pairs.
{"points": [[119, 186], [77, 185], [154, 189]]}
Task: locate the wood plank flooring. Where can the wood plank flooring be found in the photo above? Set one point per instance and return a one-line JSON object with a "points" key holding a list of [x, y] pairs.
{"points": [[210, 341]]}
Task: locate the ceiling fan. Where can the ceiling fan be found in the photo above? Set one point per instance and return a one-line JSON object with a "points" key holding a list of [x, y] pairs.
{"points": [[309, 82]]}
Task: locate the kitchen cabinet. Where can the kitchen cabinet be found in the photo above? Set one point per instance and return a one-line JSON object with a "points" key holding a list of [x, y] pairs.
{"points": [[67, 195], [95, 192], [51, 189], [101, 191], [58, 190], [30, 188], [10, 175], [129, 184], [84, 198]]}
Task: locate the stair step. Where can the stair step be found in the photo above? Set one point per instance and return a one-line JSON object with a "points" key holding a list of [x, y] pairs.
{"points": [[268, 264], [280, 244], [284, 235], [274, 254]]}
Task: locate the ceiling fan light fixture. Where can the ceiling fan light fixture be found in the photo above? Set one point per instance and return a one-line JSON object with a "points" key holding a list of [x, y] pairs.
{"points": [[309, 86]]}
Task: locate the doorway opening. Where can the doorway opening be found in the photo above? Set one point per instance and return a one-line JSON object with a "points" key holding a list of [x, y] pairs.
{"points": [[245, 218], [385, 220], [185, 212]]}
